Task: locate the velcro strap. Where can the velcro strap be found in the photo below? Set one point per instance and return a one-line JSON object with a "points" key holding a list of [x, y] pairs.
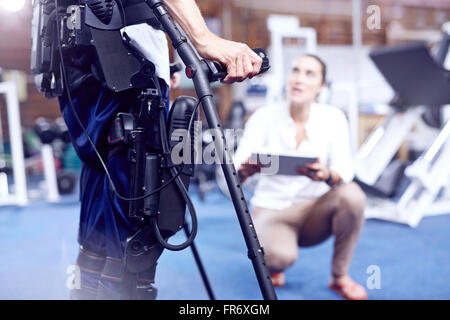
{"points": [[113, 269], [90, 262], [116, 133]]}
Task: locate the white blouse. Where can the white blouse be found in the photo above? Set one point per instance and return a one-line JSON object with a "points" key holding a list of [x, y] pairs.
{"points": [[272, 130]]}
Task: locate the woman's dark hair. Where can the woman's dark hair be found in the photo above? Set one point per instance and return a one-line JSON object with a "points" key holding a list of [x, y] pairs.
{"points": [[322, 63]]}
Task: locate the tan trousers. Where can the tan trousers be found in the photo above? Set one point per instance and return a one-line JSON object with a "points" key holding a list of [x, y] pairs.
{"points": [[339, 212]]}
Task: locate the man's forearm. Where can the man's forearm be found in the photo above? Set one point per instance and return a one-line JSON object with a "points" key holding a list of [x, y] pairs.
{"points": [[187, 14], [241, 62]]}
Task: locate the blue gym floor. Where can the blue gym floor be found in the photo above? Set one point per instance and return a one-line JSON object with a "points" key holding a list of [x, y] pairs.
{"points": [[38, 244]]}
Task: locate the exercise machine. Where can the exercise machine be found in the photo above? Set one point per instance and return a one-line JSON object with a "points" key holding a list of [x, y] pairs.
{"points": [[422, 88]]}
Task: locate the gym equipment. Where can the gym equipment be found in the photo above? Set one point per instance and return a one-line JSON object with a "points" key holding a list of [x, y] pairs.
{"points": [[161, 214], [44, 130], [17, 165], [410, 70], [19, 196], [284, 28], [54, 138]]}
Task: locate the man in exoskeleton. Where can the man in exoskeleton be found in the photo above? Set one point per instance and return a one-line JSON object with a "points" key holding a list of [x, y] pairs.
{"points": [[105, 224]]}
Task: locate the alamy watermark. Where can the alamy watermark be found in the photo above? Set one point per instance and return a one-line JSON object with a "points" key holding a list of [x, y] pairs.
{"points": [[373, 22], [74, 278], [374, 280], [194, 150]]}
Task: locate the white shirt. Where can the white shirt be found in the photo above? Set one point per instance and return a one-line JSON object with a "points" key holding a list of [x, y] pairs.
{"points": [[272, 130], [152, 44]]}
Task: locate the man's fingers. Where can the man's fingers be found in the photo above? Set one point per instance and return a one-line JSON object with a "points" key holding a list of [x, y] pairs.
{"points": [[239, 68], [231, 72], [244, 63], [256, 62], [248, 67]]}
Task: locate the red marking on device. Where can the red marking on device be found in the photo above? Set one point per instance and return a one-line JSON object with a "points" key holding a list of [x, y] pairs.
{"points": [[189, 72]]}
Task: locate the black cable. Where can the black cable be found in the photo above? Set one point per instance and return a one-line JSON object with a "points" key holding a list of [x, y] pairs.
{"points": [[69, 96], [184, 192], [194, 221]]}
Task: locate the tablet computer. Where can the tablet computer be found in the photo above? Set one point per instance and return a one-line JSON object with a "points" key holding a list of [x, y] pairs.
{"points": [[281, 164]]}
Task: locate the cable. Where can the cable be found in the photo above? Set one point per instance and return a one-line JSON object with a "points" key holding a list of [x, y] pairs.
{"points": [[184, 192], [181, 187], [194, 221], [69, 96]]}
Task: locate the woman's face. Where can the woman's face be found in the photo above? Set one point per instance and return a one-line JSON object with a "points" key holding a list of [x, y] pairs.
{"points": [[305, 81]]}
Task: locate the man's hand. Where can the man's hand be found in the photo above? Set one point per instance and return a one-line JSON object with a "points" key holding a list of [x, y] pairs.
{"points": [[316, 171], [248, 169], [241, 62]]}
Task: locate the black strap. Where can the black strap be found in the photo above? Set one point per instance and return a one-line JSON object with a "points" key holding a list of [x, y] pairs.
{"points": [[138, 11], [90, 262], [116, 133]]}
